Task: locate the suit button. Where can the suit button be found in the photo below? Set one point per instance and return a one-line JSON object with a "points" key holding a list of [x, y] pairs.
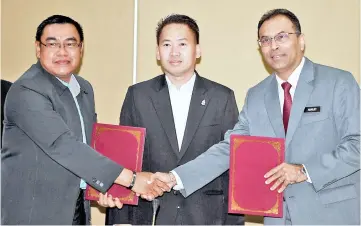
{"points": [[175, 192], [178, 207]]}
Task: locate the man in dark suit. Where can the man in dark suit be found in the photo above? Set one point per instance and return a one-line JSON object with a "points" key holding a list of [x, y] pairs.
{"points": [[48, 123], [5, 86], [184, 115]]}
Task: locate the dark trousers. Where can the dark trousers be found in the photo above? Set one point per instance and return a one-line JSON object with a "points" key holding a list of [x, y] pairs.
{"points": [[79, 213]]}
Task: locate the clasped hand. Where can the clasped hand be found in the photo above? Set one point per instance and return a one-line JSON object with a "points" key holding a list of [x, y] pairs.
{"points": [[147, 185]]}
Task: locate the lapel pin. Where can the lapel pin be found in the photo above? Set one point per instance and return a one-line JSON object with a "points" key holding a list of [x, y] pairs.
{"points": [[203, 102]]}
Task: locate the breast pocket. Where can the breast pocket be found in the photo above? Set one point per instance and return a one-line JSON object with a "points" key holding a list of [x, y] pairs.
{"points": [[313, 117]]}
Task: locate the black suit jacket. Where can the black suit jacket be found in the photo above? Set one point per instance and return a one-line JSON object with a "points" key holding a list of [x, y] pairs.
{"points": [[148, 105], [5, 86]]}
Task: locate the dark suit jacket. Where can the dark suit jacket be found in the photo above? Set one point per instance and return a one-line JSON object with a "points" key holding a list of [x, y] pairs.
{"points": [[5, 86], [148, 105], [43, 156]]}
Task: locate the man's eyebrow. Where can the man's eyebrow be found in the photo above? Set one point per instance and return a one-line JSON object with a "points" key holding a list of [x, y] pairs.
{"points": [[50, 39], [54, 39]]}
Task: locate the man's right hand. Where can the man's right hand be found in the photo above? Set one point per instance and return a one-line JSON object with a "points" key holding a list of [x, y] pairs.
{"points": [[168, 178], [165, 181], [148, 187], [144, 185]]}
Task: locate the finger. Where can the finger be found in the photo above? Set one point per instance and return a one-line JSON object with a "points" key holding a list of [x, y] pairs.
{"points": [[149, 197], [143, 196], [157, 190], [152, 194], [110, 201], [283, 187], [103, 200], [118, 203], [163, 185], [100, 198], [273, 171], [274, 177], [278, 182]]}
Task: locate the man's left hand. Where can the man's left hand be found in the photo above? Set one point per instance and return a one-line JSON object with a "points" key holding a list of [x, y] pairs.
{"points": [[285, 174]]}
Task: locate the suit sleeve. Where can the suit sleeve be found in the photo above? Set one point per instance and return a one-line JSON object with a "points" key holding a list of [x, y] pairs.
{"points": [[33, 113], [196, 173], [127, 115], [345, 158]]}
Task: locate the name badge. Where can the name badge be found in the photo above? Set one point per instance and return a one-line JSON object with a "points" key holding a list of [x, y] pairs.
{"points": [[312, 109]]}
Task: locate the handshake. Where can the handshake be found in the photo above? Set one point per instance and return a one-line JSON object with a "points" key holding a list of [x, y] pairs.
{"points": [[145, 184]]}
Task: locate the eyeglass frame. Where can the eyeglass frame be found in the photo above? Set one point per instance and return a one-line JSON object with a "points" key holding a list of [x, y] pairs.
{"points": [[273, 38], [59, 45]]}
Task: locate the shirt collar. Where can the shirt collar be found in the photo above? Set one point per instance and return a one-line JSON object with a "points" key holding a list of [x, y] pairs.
{"points": [[73, 85], [185, 87], [293, 79]]}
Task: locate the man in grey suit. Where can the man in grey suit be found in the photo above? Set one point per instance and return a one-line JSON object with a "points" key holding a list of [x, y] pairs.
{"points": [[184, 115], [49, 114], [316, 108]]}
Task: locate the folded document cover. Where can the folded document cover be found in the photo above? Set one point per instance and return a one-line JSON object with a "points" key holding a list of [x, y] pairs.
{"points": [[251, 158], [123, 145]]}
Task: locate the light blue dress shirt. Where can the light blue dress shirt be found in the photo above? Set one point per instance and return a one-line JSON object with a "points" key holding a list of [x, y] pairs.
{"points": [[74, 88]]}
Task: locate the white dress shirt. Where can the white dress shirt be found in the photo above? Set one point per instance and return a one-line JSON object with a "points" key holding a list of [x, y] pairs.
{"points": [[180, 99], [74, 88], [293, 80]]}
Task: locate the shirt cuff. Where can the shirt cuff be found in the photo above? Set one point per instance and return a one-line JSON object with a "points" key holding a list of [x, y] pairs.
{"points": [[308, 176], [179, 185]]}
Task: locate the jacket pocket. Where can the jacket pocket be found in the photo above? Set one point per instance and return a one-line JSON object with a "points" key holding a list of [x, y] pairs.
{"points": [[339, 194], [213, 192], [308, 118]]}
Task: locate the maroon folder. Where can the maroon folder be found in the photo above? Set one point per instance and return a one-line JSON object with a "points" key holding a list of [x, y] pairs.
{"points": [[251, 158], [124, 145]]}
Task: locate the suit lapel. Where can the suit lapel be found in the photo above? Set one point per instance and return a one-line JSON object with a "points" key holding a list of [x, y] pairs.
{"points": [[303, 91], [163, 107], [197, 107], [273, 108]]}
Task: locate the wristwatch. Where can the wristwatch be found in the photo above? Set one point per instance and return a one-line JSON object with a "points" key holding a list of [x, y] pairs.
{"points": [[133, 180]]}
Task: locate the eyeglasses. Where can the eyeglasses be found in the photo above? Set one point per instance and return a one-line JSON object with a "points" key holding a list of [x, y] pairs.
{"points": [[279, 38], [69, 46]]}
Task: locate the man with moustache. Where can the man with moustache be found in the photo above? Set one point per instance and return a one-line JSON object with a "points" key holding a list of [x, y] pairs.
{"points": [[49, 114], [184, 115], [316, 109]]}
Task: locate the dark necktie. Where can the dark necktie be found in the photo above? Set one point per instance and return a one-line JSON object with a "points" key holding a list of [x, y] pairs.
{"points": [[287, 104]]}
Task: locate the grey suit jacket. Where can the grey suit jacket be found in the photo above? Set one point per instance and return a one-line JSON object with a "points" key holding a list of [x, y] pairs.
{"points": [[43, 156], [327, 142], [147, 104]]}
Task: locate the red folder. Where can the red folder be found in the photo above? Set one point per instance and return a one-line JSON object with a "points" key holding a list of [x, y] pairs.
{"points": [[251, 158], [124, 145]]}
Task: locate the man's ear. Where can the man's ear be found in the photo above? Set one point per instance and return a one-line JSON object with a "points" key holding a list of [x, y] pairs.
{"points": [[302, 42], [157, 53], [37, 49], [198, 51], [82, 49]]}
